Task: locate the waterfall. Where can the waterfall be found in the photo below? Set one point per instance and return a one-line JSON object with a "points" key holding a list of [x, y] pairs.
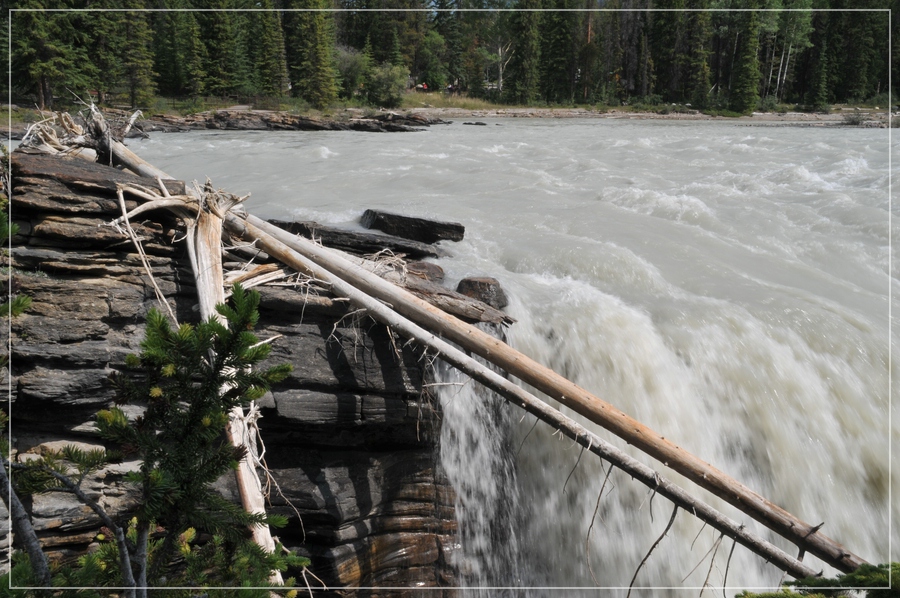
{"points": [[478, 459]]}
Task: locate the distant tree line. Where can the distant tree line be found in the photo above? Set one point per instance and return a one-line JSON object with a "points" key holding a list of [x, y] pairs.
{"points": [[729, 54]]}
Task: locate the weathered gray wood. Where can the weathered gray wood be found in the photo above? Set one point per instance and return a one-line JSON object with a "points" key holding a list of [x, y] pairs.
{"points": [[523, 398], [360, 243], [408, 227], [119, 154], [586, 404], [469, 309]]}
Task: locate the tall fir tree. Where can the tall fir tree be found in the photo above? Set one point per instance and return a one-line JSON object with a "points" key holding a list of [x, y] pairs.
{"points": [[50, 52], [559, 52], [589, 57], [107, 41], [266, 51], [137, 56], [309, 39], [695, 59], [192, 56], [523, 81], [744, 95], [447, 24], [667, 47], [222, 68]]}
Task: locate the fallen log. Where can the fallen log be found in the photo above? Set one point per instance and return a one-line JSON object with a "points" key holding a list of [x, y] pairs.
{"points": [[115, 150], [523, 398], [802, 534]]}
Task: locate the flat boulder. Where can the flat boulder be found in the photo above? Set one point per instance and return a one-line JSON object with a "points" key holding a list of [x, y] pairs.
{"points": [[410, 227], [426, 270], [483, 288]]}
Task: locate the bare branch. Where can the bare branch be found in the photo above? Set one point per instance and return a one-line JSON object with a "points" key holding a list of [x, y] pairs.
{"points": [[655, 544]]}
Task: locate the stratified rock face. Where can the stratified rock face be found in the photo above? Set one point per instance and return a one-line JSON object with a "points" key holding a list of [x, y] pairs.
{"points": [[349, 435]]}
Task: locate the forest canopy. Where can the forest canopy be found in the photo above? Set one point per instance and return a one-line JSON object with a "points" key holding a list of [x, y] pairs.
{"points": [[738, 55]]}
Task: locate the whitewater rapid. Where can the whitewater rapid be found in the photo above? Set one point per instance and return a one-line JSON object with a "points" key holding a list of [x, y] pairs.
{"points": [[729, 286]]}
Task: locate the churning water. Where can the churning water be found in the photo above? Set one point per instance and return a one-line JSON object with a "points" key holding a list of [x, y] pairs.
{"points": [[730, 286]]}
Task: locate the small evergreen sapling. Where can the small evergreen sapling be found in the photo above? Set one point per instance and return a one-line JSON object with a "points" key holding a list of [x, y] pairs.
{"points": [[192, 377]]}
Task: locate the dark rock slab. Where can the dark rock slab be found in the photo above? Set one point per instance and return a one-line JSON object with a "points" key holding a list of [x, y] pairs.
{"points": [[408, 227], [367, 515], [341, 419], [426, 270], [360, 243], [105, 264], [343, 358], [80, 174]]}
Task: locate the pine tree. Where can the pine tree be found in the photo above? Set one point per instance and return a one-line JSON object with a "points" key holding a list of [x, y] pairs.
{"points": [[219, 36], [179, 53], [523, 82], [396, 55], [309, 39], [667, 48], [558, 53], [447, 24], [695, 59], [137, 56], [191, 377], [745, 89], [49, 53], [192, 56], [267, 51], [107, 41]]}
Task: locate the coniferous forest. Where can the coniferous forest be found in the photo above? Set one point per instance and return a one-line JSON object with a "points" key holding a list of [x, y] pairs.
{"points": [[735, 55]]}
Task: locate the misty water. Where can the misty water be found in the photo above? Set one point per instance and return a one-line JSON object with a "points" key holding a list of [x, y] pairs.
{"points": [[728, 285]]}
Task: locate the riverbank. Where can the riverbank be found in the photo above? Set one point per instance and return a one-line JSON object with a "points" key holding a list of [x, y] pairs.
{"points": [[839, 116], [243, 117]]}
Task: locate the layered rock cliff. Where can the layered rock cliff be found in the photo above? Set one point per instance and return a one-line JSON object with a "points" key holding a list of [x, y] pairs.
{"points": [[349, 436]]}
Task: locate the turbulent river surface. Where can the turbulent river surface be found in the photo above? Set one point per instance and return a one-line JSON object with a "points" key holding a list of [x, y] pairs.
{"points": [[730, 286]]}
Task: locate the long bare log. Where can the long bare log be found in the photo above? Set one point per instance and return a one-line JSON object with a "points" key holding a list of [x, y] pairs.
{"points": [[204, 245], [207, 255], [524, 399], [119, 154], [804, 535]]}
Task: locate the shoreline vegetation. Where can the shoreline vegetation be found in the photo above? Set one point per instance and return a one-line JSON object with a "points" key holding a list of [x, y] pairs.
{"points": [[422, 110]]}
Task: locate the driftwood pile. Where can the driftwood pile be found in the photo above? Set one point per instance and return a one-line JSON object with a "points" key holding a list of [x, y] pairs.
{"points": [[257, 252]]}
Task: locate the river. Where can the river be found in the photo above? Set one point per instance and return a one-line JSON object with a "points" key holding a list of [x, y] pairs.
{"points": [[728, 285]]}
